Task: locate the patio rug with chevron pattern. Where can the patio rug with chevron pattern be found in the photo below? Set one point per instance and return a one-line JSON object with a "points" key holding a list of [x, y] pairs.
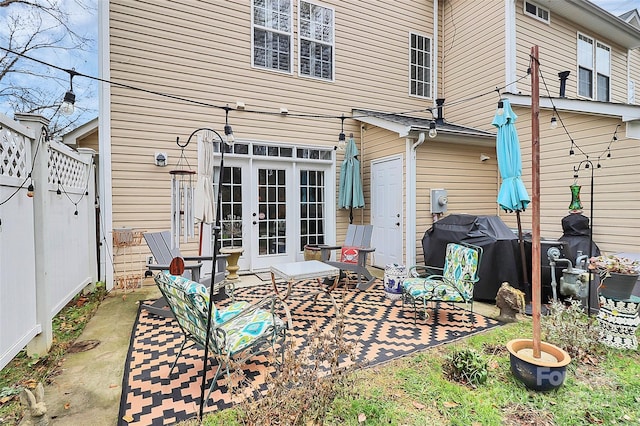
{"points": [[382, 328]]}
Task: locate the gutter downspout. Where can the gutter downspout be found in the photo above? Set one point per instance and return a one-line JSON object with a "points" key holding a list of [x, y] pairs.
{"points": [[434, 61], [104, 147], [411, 212]]}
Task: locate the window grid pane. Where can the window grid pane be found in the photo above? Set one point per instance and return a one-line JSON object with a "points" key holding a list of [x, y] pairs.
{"points": [[312, 205], [272, 34], [231, 204], [272, 212], [316, 41], [420, 68]]}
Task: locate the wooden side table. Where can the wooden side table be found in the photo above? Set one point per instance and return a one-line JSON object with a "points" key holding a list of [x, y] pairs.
{"points": [[619, 320]]}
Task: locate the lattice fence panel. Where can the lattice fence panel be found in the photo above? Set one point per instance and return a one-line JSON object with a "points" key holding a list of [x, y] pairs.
{"points": [[14, 161], [68, 171]]}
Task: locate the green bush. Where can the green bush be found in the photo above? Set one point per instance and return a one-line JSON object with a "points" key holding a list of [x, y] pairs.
{"points": [[466, 366]]}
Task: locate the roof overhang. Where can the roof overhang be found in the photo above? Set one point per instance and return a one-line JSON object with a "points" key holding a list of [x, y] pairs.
{"points": [[410, 127], [625, 112], [629, 114], [80, 132], [590, 15]]}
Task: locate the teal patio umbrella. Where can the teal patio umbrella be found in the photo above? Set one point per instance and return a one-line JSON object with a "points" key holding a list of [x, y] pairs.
{"points": [[512, 196], [350, 193]]}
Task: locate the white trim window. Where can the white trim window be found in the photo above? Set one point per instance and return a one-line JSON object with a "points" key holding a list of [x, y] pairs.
{"points": [[316, 40], [272, 34], [603, 72], [594, 69], [537, 12], [420, 65]]}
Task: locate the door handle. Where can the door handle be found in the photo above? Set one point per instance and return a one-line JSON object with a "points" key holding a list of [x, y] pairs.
{"points": [[397, 223], [254, 222]]}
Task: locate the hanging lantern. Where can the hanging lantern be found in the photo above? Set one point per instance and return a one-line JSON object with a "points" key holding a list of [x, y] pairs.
{"points": [[576, 205], [182, 212]]}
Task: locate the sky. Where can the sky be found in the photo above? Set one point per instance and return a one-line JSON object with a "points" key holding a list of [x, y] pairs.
{"points": [[85, 22]]}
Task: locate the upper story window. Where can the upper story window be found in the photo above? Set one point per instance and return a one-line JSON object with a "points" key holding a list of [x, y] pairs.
{"points": [[536, 11], [420, 65], [603, 72], [272, 34], [316, 40], [594, 69]]}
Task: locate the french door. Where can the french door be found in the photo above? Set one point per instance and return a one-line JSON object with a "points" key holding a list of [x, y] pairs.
{"points": [[272, 209], [273, 213]]}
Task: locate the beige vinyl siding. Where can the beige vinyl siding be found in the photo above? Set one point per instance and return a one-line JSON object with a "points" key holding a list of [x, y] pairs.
{"points": [[616, 184], [90, 141], [634, 72], [202, 51], [557, 44], [473, 60], [471, 184]]}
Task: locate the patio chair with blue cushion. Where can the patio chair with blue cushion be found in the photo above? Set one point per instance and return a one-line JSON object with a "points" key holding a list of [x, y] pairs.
{"points": [[453, 283], [238, 331]]}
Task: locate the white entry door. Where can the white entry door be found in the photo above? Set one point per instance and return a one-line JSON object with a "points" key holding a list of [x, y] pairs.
{"points": [[387, 210]]}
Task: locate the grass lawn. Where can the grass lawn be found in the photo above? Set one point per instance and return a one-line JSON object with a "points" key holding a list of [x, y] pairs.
{"points": [[601, 388]]}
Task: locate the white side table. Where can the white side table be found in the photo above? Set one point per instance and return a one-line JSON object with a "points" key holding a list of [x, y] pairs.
{"points": [[310, 269]]}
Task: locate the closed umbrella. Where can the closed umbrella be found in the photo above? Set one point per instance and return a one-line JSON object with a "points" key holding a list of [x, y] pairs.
{"points": [[204, 200], [512, 196], [350, 193]]}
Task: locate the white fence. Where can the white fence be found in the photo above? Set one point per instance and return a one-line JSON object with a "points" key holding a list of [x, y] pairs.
{"points": [[47, 241]]}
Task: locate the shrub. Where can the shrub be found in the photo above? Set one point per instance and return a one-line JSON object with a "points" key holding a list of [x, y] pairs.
{"points": [[303, 390], [568, 327], [466, 366]]}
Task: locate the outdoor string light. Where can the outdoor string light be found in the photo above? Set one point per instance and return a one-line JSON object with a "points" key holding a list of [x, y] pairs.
{"points": [[433, 132], [67, 107], [554, 120], [342, 139]]}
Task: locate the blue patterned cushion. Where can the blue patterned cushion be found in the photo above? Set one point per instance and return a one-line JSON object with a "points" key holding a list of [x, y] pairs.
{"points": [[190, 301], [456, 282]]}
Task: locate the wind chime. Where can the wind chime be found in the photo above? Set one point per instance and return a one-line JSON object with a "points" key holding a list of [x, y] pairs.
{"points": [[182, 189]]}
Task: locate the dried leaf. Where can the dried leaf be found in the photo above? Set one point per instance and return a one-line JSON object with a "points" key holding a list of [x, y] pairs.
{"points": [[111, 386], [418, 405], [67, 405], [362, 418], [449, 404]]}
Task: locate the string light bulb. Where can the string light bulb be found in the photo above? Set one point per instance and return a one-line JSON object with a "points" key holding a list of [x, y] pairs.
{"points": [[500, 110], [342, 138], [30, 190], [554, 123], [228, 131], [67, 107], [433, 132]]}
